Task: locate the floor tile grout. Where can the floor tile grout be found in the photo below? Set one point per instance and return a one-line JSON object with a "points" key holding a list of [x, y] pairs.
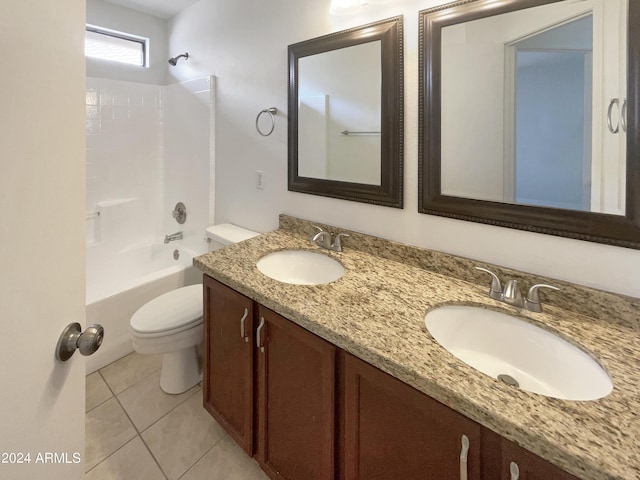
{"points": [[145, 443], [106, 383], [167, 413], [138, 432], [202, 456], [127, 414], [101, 403], [125, 443], [132, 385], [111, 454], [154, 457], [109, 388]]}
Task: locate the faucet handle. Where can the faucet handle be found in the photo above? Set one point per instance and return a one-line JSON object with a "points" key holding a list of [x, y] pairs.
{"points": [[495, 291], [532, 302], [337, 244], [320, 230], [322, 238]]}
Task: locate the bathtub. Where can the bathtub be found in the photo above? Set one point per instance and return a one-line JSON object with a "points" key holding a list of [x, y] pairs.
{"points": [[120, 283]]}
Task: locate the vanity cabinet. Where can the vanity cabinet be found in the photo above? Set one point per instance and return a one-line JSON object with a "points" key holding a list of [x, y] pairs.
{"points": [[393, 431], [270, 384], [228, 360], [310, 411], [498, 454], [296, 400]]}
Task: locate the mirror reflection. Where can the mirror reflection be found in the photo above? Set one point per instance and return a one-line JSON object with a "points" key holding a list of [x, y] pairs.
{"points": [[346, 94], [533, 107], [339, 108]]}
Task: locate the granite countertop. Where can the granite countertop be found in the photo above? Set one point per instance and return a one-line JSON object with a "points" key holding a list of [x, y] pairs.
{"points": [[376, 312]]}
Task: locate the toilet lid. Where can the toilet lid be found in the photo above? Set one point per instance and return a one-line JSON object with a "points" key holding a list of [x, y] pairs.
{"points": [[173, 310]]}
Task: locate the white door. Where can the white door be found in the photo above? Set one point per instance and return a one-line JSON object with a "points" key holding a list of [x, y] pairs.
{"points": [[41, 237], [609, 175]]}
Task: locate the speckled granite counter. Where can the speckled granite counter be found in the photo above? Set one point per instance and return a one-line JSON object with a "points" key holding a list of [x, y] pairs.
{"points": [[376, 312]]}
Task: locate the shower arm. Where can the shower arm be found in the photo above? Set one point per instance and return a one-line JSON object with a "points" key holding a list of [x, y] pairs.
{"points": [[174, 60]]}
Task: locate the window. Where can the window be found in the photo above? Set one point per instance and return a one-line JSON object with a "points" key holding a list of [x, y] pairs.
{"points": [[115, 46]]}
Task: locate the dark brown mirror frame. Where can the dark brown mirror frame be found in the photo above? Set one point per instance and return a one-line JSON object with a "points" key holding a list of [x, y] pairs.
{"points": [[390, 192], [623, 231]]}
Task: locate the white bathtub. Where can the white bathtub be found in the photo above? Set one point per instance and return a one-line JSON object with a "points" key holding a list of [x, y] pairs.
{"points": [[119, 284]]}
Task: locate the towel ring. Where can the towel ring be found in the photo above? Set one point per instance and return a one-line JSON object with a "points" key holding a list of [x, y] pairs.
{"points": [[271, 111]]}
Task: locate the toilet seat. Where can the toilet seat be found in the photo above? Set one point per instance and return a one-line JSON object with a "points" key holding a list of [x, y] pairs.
{"points": [[171, 324], [170, 313]]}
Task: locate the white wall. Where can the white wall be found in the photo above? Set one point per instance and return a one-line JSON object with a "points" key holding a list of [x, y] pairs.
{"points": [[244, 44], [122, 19]]}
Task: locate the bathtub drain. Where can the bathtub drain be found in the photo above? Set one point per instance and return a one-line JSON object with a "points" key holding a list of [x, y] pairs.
{"points": [[176, 254]]}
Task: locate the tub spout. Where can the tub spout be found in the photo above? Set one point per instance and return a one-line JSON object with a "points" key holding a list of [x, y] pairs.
{"points": [[173, 237]]}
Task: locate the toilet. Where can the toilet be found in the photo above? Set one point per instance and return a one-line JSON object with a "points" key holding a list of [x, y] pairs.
{"points": [[171, 324]]}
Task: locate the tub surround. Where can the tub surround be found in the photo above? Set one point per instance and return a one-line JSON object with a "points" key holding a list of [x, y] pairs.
{"points": [[376, 312]]}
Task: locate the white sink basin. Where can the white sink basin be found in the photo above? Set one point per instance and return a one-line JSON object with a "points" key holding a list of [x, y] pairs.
{"points": [[507, 348], [300, 267]]}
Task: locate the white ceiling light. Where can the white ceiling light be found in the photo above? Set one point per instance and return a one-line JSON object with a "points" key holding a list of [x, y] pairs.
{"points": [[345, 7]]}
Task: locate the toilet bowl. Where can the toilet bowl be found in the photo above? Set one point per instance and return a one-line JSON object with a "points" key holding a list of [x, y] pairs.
{"points": [[171, 324]]}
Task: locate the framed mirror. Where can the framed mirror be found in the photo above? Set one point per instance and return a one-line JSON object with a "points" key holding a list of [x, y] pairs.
{"points": [[528, 116], [346, 114]]}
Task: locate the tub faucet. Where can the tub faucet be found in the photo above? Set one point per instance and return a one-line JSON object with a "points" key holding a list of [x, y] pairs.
{"points": [[173, 237]]}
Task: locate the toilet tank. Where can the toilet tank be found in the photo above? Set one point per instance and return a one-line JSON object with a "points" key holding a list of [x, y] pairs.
{"points": [[226, 234]]}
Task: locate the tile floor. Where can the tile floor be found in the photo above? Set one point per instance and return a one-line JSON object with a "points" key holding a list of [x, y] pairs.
{"points": [[136, 431]]}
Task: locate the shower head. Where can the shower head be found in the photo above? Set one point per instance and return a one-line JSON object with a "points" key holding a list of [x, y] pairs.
{"points": [[174, 61]]}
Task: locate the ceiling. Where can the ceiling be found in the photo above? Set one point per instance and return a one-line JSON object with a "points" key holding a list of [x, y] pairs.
{"points": [[158, 8]]}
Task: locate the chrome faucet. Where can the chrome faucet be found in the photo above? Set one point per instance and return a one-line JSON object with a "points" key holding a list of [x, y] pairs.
{"points": [[324, 239], [512, 294], [173, 237]]}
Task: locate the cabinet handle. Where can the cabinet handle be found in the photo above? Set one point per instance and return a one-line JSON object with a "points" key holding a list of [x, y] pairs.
{"points": [[244, 317], [464, 452], [514, 471], [623, 116], [259, 335], [614, 101]]}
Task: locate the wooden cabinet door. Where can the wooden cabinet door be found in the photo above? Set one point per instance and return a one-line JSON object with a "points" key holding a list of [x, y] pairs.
{"points": [[228, 360], [392, 431], [296, 400], [499, 453]]}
